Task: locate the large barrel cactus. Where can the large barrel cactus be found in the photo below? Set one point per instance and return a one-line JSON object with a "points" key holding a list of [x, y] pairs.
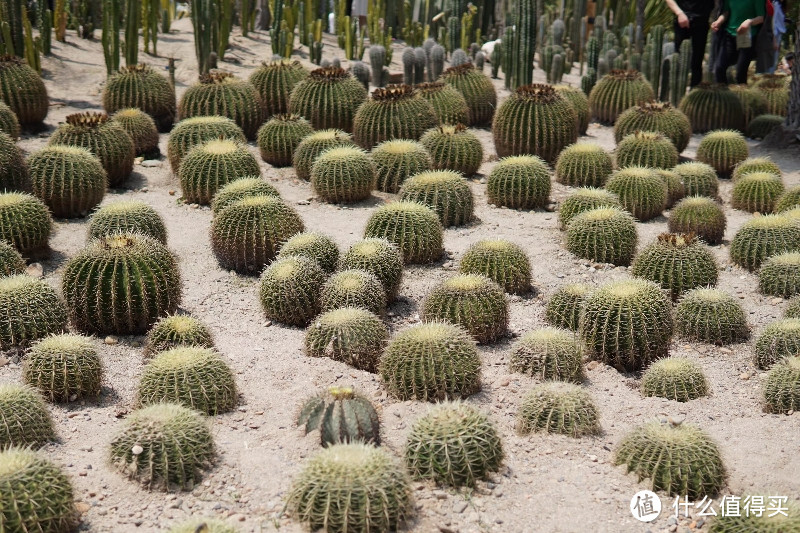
{"points": [[140, 86], [69, 180], [477, 89], [23, 91], [274, 81], [198, 130], [393, 112], [659, 117], [328, 98], [617, 92], [712, 107]]}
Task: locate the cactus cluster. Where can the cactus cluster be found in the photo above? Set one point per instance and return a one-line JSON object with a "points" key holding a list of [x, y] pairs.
{"points": [[580, 104], [627, 324], [328, 98], [519, 182], [315, 246], [781, 388], [393, 112], [141, 87], [379, 257], [646, 149], [675, 378], [549, 354], [658, 117], [280, 136], [414, 228], [444, 191], [712, 316], [455, 445], [762, 125], [274, 81], [617, 92], [353, 288], [342, 417], [69, 180], [477, 89], [558, 407], [239, 189], [30, 310], [195, 131], [141, 128], [64, 368], [723, 150], [603, 235], [453, 147], [14, 174], [173, 331], [11, 261], [583, 164], [757, 192], [677, 262], [312, 146], [26, 420], [397, 160], [448, 103], [127, 216], [640, 190], [222, 94], [762, 237], [500, 260], [351, 335], [433, 361], [343, 174], [779, 340], [699, 215], [210, 166], [699, 179], [713, 106], [290, 290], [23, 90]]}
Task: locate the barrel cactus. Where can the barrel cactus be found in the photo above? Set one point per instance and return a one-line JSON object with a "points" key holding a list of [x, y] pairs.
{"points": [[26, 420], [762, 523], [658, 117], [239, 189], [677, 262], [351, 335], [617, 92], [788, 200], [477, 89], [781, 389], [679, 460], [454, 444], [174, 446], [194, 131], [448, 103], [279, 137], [177, 330], [23, 90], [315, 246], [222, 94], [342, 417], [454, 147], [712, 316], [754, 103], [353, 288], [445, 192], [604, 235], [290, 290], [585, 199], [558, 407], [393, 112], [121, 283], [141, 87], [723, 150], [312, 146], [780, 275], [274, 81], [713, 106], [777, 95], [328, 98], [646, 149], [675, 188], [762, 125], [627, 324], [433, 361], [757, 192], [210, 166], [565, 307], [675, 378], [379, 257], [755, 164], [640, 191], [397, 160], [500, 260], [31, 310], [537, 120], [699, 215], [343, 174], [584, 164], [69, 180], [9, 124], [519, 182], [142, 130], [11, 261], [414, 228], [105, 139], [762, 237], [549, 354], [780, 339], [699, 179], [127, 216], [14, 175], [580, 104], [64, 368]]}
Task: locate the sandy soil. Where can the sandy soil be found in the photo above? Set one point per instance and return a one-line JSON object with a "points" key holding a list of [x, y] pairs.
{"points": [[548, 483]]}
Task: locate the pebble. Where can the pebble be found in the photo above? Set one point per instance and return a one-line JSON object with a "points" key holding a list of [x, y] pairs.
{"points": [[136, 450], [151, 163], [745, 376], [34, 270], [459, 507], [171, 192], [111, 340]]}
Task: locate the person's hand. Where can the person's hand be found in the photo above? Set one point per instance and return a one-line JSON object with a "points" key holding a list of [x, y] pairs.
{"points": [[717, 24], [744, 26], [683, 20]]}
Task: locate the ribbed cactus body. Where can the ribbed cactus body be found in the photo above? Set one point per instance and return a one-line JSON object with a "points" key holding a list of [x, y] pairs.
{"points": [[762, 125], [210, 166], [379, 257], [64, 368], [676, 262], [9, 124], [656, 117], [711, 107], [141, 87], [31, 310], [780, 275], [604, 235], [11, 261], [618, 91], [173, 331], [500, 260], [754, 103], [583, 164], [477, 89], [274, 81], [454, 148], [448, 103], [194, 131], [699, 179], [646, 149], [393, 112], [26, 420], [444, 191], [413, 227], [351, 335], [328, 98], [353, 288], [781, 395], [343, 174], [342, 416], [519, 182], [712, 316], [14, 173], [396, 161], [239, 189], [23, 91], [762, 237], [585, 199], [280, 136], [757, 192], [142, 129], [290, 290], [755, 164], [313, 145], [723, 150], [556, 407], [548, 354], [69, 180], [313, 245], [565, 307], [779, 340], [580, 104], [130, 216], [640, 191], [25, 222]]}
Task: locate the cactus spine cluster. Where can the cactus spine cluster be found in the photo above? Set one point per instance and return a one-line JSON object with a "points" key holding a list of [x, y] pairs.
{"points": [[210, 166], [328, 98], [173, 331], [641, 191], [757, 192], [348, 334], [342, 417], [500, 260], [762, 237], [646, 149], [353, 288], [712, 106], [519, 182], [14, 174], [723, 150], [549, 354], [448, 103], [142, 129], [312, 146], [699, 215], [8, 122], [129, 216]]}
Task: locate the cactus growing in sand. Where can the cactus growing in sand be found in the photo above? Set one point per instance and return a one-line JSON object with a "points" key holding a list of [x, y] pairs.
{"points": [[393, 112], [675, 378], [279, 137], [342, 417], [141, 87], [328, 98], [677, 262], [558, 407], [549, 354], [352, 335], [69, 180], [32, 311], [712, 316], [64, 368]]}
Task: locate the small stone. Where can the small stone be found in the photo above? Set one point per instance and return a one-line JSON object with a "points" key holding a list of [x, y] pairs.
{"points": [[34, 270], [592, 365], [82, 507], [151, 163], [459, 507], [111, 340], [136, 450], [171, 192], [303, 202], [745, 376]]}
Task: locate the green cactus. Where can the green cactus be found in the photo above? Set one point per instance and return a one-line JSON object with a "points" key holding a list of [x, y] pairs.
{"points": [[762, 125], [393, 112], [767, 522], [519, 182], [11, 262], [789, 200], [313, 245], [127, 216], [449, 105], [105, 139], [455, 445], [755, 164], [312, 146], [779, 340], [397, 160], [699, 215], [477, 89], [414, 228], [121, 283], [777, 96], [64, 368], [781, 388], [535, 119], [23, 91], [14, 173], [712, 106], [173, 331], [248, 233], [141, 87], [174, 445], [646, 149], [558, 407], [565, 307], [679, 460], [471, 301], [353, 288], [583, 164], [603, 234], [379, 257], [627, 324], [26, 420], [549, 354], [675, 378], [343, 174], [8, 122], [762, 237], [712, 316], [328, 98], [35, 494], [754, 103], [658, 117], [195, 131], [222, 94], [675, 188], [443, 191], [617, 92], [641, 191], [69, 180], [454, 148], [274, 81], [793, 309], [757, 192], [351, 335], [203, 525], [210, 166], [24, 222], [677, 262], [500, 260], [580, 104], [240, 188], [31, 309], [351, 487], [279, 137], [699, 179], [290, 290], [342, 417], [723, 150], [142, 130], [779, 275]]}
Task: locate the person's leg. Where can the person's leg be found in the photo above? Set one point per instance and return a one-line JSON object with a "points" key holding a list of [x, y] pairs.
{"points": [[726, 57], [699, 36], [681, 34], [743, 64]]}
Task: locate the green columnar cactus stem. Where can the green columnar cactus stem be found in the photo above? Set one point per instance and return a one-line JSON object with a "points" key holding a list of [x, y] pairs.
{"points": [[657, 117], [30, 310], [393, 112], [105, 139], [712, 106], [130, 216], [379, 257], [780, 339], [677, 262], [500, 260], [580, 104], [14, 173], [240, 188], [24, 222], [583, 164], [565, 307], [762, 237], [712, 316], [210, 166], [8, 122], [140, 86], [280, 136], [723, 150], [397, 160], [675, 378], [762, 125], [781, 388], [519, 182], [342, 417], [454, 148], [351, 335], [175, 446], [448, 103], [679, 460], [142, 129], [313, 245], [11, 262], [535, 119], [646, 149], [64, 368], [549, 354], [603, 234], [757, 192], [353, 288], [618, 91], [351, 487], [23, 91], [780, 275], [313, 145], [328, 98], [69, 180], [477, 89], [755, 164], [557, 407], [640, 191], [274, 81], [699, 179], [754, 103], [25, 418], [627, 324], [444, 191], [454, 444], [196, 131], [414, 228], [699, 215], [343, 174]]}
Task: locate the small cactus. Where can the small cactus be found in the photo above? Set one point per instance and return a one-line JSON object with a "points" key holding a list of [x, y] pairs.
{"points": [[64, 368], [141, 87], [755, 164], [142, 129], [342, 417], [173, 331], [290, 290], [548, 354], [14, 174], [585, 199], [11, 262], [646, 149], [210, 166], [780, 275], [677, 262], [448, 103], [23, 90], [477, 89], [780, 339], [129, 216], [26, 420], [312, 146], [393, 112], [397, 160], [658, 117], [274, 81], [762, 237], [454, 444], [712, 316], [351, 335], [762, 125], [328, 98], [565, 307], [699, 215], [603, 235], [343, 174], [712, 106], [617, 92], [500, 260], [675, 378], [239, 189], [414, 228], [699, 179], [353, 288], [781, 388], [432, 361], [641, 191], [723, 150], [584, 164], [454, 148], [69, 180], [195, 131], [313, 245], [580, 104], [757, 192], [32, 311], [519, 182], [558, 407], [278, 138], [675, 189], [444, 191]]}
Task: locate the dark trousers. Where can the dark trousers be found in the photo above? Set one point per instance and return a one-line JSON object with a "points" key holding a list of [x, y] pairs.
{"points": [[729, 55], [698, 33]]}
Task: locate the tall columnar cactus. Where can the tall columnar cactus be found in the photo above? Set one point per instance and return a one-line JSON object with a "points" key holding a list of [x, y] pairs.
{"points": [[603, 234], [198, 130], [342, 417], [524, 45], [69, 180], [14, 172], [397, 160], [142, 130], [25, 222], [580, 104], [477, 89], [110, 39], [140, 86], [32, 309], [210, 166], [133, 21], [657, 117], [290, 290], [448, 103], [275, 81], [556, 407], [328, 98], [444, 191], [762, 237], [549, 354], [712, 316], [712, 106], [64, 368], [641, 191], [583, 164], [26, 420], [454, 148], [23, 91], [519, 182], [565, 307], [646, 149], [618, 91], [723, 150], [535, 119], [676, 262], [414, 228], [351, 335], [393, 112]]}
